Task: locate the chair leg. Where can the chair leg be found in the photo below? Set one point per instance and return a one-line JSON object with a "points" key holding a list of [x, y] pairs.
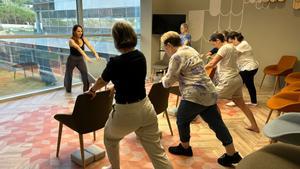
{"points": [[170, 127], [31, 70], [276, 84], [82, 149], [94, 133], [273, 141], [262, 81], [177, 99], [279, 113], [152, 75], [24, 72], [59, 138], [268, 118]]}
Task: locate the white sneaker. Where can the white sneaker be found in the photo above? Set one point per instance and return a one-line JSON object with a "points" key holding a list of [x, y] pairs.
{"points": [[107, 167], [230, 104], [251, 104]]}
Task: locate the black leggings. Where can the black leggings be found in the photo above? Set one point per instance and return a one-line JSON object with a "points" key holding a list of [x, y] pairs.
{"points": [[248, 80], [78, 62]]}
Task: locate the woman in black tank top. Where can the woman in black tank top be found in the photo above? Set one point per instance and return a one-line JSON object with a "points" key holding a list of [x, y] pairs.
{"points": [[77, 57]]}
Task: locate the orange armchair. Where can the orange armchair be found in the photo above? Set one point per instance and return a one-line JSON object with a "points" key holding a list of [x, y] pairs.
{"points": [[284, 67], [292, 78], [293, 87], [284, 102]]}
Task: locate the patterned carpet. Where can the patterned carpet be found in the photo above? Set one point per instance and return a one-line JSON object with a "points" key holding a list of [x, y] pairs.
{"points": [[28, 136]]}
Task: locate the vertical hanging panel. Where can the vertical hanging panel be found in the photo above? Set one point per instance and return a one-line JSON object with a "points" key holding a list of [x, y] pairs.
{"points": [[196, 24], [215, 7], [296, 4]]}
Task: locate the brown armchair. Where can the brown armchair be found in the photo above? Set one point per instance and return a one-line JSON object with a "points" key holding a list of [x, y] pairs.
{"points": [[159, 97], [88, 116]]}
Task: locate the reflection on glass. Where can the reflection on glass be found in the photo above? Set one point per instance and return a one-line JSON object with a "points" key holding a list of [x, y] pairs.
{"points": [[32, 64], [59, 16], [27, 67]]}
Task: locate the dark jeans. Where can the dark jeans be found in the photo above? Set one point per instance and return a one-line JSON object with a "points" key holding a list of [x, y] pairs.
{"points": [[248, 80], [187, 111], [78, 62]]}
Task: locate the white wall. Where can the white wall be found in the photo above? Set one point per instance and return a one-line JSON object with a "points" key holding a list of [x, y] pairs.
{"points": [[271, 29], [146, 32]]}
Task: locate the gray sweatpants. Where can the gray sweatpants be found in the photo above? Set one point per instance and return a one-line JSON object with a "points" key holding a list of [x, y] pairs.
{"points": [[72, 62]]}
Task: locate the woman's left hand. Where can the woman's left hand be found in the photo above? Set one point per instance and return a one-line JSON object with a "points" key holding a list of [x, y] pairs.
{"points": [[92, 93], [97, 56]]}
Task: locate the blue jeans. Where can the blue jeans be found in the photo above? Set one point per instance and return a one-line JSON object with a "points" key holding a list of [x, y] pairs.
{"points": [[187, 111]]}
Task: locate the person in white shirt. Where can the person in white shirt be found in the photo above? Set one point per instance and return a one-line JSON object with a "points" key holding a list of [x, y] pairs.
{"points": [[246, 63], [229, 84], [198, 97]]}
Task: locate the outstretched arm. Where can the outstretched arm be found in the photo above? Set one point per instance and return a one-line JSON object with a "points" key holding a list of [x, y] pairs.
{"points": [[98, 85], [76, 46], [213, 62], [88, 44]]}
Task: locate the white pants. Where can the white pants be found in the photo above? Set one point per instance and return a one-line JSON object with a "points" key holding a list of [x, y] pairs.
{"points": [[141, 118]]}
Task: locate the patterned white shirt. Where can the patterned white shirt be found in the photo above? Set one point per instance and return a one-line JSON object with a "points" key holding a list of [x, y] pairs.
{"points": [[187, 67]]}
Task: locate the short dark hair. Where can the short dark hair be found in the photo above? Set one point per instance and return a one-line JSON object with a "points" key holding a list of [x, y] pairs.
{"points": [[217, 36], [171, 37], [237, 35], [124, 35]]}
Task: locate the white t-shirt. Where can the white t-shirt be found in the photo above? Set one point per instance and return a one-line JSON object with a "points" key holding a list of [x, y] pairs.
{"points": [[227, 66], [246, 59]]}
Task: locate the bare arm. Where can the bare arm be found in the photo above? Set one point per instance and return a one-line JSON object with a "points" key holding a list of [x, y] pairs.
{"points": [[98, 85], [77, 47], [213, 62], [88, 44]]}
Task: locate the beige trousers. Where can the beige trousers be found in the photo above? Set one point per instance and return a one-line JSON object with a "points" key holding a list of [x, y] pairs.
{"points": [[141, 118]]}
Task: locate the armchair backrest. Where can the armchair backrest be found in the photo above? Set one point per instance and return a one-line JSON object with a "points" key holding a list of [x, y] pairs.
{"points": [[92, 114], [287, 62], [159, 97]]}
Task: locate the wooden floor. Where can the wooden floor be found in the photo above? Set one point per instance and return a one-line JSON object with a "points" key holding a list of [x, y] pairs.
{"points": [[28, 135]]}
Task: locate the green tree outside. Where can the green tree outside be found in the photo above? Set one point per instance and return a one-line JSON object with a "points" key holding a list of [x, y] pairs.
{"points": [[16, 12]]}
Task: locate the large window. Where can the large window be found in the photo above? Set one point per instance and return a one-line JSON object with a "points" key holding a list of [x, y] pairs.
{"points": [[100, 15], [34, 36]]}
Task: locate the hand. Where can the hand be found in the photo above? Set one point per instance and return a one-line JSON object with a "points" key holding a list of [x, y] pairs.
{"points": [[208, 53], [206, 67], [112, 91], [88, 60], [91, 92], [97, 56]]}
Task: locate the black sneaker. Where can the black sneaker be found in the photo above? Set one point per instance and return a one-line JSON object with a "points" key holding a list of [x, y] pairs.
{"points": [[227, 160], [179, 150]]}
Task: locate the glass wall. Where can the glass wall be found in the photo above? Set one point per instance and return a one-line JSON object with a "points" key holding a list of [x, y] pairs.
{"points": [[100, 15], [27, 67], [38, 62]]}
